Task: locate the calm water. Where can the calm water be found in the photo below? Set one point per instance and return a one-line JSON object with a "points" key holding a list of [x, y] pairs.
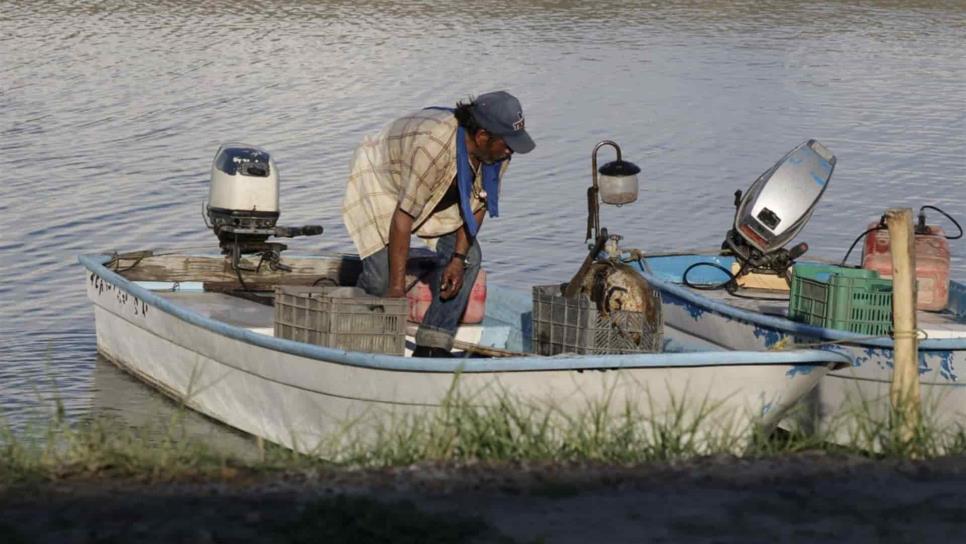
{"points": [[110, 113]]}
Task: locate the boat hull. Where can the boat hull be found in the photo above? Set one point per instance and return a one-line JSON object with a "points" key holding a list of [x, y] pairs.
{"points": [[303, 396], [863, 385]]}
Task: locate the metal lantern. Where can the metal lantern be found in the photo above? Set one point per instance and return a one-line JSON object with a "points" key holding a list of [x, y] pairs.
{"points": [[614, 183]]}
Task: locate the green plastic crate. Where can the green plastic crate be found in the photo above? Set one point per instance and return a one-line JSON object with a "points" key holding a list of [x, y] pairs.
{"points": [[849, 299]]}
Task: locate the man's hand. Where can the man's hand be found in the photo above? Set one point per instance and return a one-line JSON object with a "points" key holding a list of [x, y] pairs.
{"points": [[395, 292], [452, 279]]}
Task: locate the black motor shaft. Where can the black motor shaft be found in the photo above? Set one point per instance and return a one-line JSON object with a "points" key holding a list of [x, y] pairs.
{"points": [[292, 232]]}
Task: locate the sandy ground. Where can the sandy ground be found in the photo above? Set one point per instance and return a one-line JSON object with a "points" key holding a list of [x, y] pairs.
{"points": [[801, 498]]}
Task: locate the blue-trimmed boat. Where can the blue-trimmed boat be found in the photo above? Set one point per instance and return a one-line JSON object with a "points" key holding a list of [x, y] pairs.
{"points": [[164, 319], [733, 322]]}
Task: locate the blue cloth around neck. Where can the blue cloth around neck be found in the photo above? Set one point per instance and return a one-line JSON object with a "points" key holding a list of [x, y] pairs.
{"points": [[464, 181]]}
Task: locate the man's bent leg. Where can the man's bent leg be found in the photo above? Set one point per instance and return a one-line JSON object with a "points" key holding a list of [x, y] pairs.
{"points": [[374, 278], [443, 316]]}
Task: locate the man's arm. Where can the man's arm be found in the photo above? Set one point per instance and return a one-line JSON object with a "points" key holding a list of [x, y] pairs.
{"points": [[463, 239], [400, 232], [452, 279]]}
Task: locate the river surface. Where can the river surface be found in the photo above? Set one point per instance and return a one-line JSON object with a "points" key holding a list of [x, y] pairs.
{"points": [[110, 113]]}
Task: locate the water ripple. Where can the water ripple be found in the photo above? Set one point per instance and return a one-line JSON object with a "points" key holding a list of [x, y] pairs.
{"points": [[108, 125]]}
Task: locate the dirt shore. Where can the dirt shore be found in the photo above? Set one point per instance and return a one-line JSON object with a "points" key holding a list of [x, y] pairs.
{"points": [[811, 497]]}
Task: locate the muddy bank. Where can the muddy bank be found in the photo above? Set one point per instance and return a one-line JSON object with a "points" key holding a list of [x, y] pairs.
{"points": [[813, 497]]}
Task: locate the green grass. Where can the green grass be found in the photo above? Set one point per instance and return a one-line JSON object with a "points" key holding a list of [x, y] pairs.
{"points": [[865, 426], [505, 429], [100, 448], [463, 430]]}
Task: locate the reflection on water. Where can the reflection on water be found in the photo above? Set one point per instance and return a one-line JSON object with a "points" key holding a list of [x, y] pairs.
{"points": [[111, 111], [120, 399]]}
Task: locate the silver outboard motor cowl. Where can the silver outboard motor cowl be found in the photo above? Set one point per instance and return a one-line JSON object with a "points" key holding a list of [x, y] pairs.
{"points": [[777, 206], [242, 206], [243, 196]]}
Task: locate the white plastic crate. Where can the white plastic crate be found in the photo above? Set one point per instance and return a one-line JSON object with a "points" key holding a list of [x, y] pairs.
{"points": [[341, 317], [574, 325]]}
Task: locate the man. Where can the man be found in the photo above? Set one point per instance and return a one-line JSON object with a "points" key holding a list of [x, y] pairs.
{"points": [[432, 173]]}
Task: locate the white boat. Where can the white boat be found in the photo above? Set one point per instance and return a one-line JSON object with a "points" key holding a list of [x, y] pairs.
{"points": [[749, 323], [161, 318]]}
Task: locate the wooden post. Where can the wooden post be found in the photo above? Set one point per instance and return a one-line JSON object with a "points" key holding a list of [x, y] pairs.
{"points": [[905, 374]]}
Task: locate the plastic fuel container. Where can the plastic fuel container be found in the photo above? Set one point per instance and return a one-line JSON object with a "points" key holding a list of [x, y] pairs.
{"points": [[932, 264]]}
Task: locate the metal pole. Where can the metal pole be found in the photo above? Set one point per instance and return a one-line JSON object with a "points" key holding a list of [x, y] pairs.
{"points": [[592, 201]]}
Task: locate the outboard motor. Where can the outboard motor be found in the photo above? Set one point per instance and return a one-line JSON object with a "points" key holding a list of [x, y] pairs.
{"points": [[776, 207], [243, 205]]}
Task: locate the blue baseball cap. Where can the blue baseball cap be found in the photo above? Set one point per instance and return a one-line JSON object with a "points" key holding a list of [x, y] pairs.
{"points": [[500, 114]]}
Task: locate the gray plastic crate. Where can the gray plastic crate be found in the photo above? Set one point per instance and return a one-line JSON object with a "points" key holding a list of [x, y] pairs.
{"points": [[341, 317], [573, 325]]}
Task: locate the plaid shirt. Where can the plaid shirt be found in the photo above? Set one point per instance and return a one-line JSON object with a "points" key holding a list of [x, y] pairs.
{"points": [[410, 163]]}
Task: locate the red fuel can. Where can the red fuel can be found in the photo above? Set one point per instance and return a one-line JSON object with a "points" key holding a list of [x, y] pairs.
{"points": [[932, 264], [420, 297]]}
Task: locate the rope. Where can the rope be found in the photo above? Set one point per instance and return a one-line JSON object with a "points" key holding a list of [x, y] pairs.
{"points": [[116, 259], [419, 279], [897, 335]]}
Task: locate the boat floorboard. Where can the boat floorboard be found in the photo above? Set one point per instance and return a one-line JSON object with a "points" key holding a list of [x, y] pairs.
{"points": [[225, 308]]}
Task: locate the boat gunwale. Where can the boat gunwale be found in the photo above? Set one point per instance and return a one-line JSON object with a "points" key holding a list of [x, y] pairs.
{"points": [[785, 324], [95, 264]]}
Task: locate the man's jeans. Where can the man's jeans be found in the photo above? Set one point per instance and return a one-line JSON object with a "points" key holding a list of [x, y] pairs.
{"points": [[441, 320]]}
